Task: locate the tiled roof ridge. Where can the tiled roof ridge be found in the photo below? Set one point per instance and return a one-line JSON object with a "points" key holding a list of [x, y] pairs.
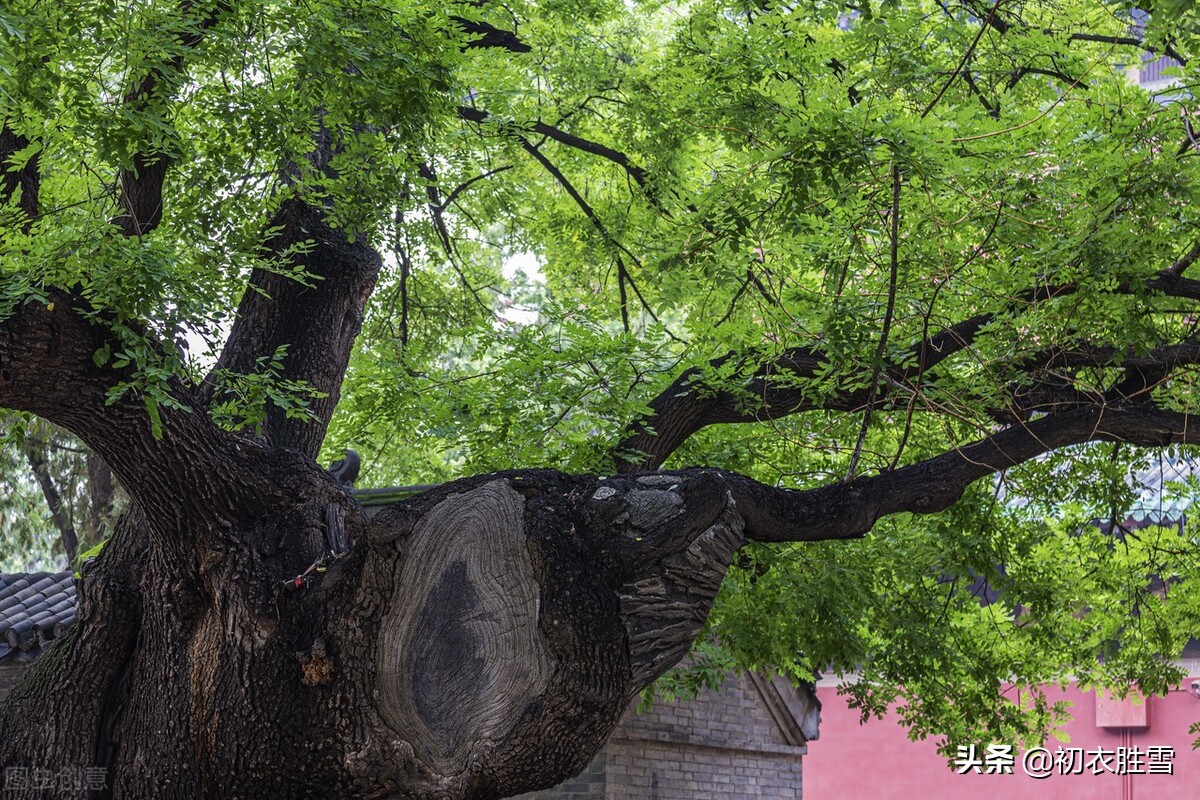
{"points": [[35, 608]]}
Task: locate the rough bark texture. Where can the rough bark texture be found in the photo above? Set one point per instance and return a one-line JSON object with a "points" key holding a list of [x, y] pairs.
{"points": [[479, 641], [316, 318]]}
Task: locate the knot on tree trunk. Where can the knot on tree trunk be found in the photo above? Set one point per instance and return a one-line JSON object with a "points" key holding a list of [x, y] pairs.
{"points": [[527, 610]]}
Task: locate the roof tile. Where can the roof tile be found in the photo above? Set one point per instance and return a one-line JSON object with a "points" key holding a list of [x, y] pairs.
{"points": [[35, 609]]}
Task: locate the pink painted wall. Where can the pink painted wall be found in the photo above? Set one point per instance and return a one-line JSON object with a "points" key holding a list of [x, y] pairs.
{"points": [[876, 761]]}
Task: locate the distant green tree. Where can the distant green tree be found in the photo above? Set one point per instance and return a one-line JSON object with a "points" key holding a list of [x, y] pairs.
{"points": [[26, 527], [882, 266], [57, 486]]}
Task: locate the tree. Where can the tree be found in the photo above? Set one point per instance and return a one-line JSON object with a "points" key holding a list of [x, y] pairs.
{"points": [[908, 248], [75, 485]]}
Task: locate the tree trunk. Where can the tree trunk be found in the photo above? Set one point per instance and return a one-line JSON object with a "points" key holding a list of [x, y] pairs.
{"points": [[35, 453], [100, 497], [478, 641]]}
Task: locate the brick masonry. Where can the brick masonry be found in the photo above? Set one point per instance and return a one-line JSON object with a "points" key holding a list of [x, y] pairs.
{"points": [[724, 744]]}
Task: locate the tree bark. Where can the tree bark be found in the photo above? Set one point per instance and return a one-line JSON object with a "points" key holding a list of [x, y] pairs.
{"points": [[479, 641]]}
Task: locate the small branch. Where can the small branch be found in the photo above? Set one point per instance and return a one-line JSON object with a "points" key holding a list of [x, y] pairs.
{"points": [[462, 187], [881, 347], [405, 271], [622, 276], [993, 109], [965, 58], [1133, 41], [1021, 72], [34, 448], [994, 20], [570, 140], [140, 188], [436, 208], [590, 213]]}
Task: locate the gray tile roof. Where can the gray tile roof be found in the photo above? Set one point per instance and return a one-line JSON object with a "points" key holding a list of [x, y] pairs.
{"points": [[1166, 489], [34, 609]]}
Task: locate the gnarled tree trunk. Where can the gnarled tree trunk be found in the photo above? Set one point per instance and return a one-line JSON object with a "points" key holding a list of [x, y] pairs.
{"points": [[478, 641]]}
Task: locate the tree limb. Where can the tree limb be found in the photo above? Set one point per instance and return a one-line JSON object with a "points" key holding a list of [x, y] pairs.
{"points": [[775, 387], [26, 180], [47, 367], [140, 187], [849, 510], [316, 320], [34, 448], [1135, 41], [635, 172], [489, 36]]}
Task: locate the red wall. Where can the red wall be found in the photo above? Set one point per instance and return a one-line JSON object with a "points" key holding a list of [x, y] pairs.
{"points": [[877, 761]]}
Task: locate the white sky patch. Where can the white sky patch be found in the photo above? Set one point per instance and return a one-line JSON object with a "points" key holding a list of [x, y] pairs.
{"points": [[522, 269], [199, 352], [523, 262]]}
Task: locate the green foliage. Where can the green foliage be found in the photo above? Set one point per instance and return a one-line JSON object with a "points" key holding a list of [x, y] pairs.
{"points": [[756, 217], [29, 534], [244, 397]]}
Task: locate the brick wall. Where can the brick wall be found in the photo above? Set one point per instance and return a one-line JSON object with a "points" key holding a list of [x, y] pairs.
{"points": [[589, 785], [640, 771], [722, 744]]}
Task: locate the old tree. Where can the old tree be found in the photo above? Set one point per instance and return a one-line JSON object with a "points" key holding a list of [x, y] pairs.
{"points": [[913, 278]]}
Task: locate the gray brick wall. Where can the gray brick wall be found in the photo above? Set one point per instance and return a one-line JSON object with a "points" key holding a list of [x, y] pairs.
{"points": [[720, 745], [589, 785], [734, 717], [654, 771]]}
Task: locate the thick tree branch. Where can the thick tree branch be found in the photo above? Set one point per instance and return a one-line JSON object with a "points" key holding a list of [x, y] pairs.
{"points": [[488, 36], [849, 510], [47, 367], [140, 187], [316, 320], [22, 183], [776, 387]]}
